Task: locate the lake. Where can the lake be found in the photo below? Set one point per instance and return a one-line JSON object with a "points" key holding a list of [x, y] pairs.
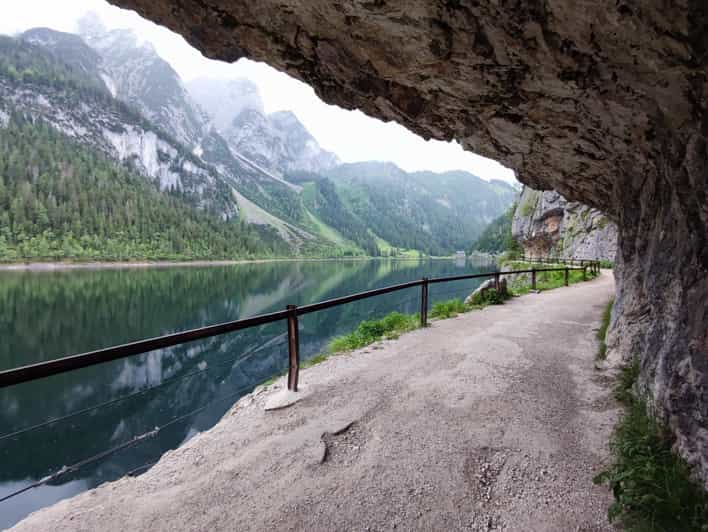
{"points": [[48, 315]]}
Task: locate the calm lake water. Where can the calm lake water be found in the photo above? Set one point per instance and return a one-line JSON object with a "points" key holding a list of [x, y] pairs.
{"points": [[47, 315]]}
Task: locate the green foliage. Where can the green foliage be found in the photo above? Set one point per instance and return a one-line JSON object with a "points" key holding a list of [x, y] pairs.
{"points": [[496, 238], [607, 264], [626, 380], [59, 200], [437, 214], [26, 63], [489, 297], [529, 202], [371, 331], [602, 331], [448, 309], [652, 486], [321, 198]]}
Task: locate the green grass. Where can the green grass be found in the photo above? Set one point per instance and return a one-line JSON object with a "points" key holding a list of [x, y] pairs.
{"points": [[321, 357], [602, 331], [652, 486], [370, 331], [448, 309]]}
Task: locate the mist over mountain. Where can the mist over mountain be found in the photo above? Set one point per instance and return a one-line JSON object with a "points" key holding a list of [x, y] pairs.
{"points": [[207, 146]]}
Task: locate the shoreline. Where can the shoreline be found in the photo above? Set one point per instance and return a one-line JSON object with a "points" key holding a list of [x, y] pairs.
{"points": [[106, 265]]}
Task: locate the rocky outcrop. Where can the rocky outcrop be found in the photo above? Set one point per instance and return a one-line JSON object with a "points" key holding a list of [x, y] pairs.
{"points": [[604, 101], [546, 224]]}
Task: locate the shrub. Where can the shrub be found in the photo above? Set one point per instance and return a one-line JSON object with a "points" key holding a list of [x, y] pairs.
{"points": [[652, 486], [489, 297], [447, 309], [371, 331]]}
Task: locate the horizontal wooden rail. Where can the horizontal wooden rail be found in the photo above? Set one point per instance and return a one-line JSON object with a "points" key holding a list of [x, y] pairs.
{"points": [[41, 370]]}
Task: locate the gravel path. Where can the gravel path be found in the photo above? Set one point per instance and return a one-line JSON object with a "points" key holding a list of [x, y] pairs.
{"points": [[494, 420]]}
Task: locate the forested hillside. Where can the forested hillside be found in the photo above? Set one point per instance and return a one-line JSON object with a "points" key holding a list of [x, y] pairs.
{"points": [[434, 213], [105, 154], [61, 200], [497, 238]]}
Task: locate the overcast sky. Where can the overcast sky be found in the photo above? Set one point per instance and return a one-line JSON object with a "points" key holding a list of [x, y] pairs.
{"points": [[352, 135]]}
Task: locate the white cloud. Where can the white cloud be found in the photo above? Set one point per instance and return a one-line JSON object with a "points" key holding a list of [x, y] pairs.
{"points": [[352, 135]]}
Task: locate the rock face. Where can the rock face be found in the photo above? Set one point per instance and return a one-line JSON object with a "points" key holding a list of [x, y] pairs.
{"points": [[546, 224], [137, 75], [278, 142], [603, 101]]}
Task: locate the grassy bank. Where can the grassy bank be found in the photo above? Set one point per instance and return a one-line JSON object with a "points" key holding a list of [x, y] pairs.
{"points": [[652, 486]]}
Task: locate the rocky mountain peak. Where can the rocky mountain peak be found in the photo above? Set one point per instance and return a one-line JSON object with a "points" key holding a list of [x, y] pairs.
{"points": [[224, 100], [278, 142], [140, 77]]}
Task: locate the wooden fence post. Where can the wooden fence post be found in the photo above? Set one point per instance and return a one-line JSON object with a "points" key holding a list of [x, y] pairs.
{"points": [[293, 348], [533, 278], [424, 303], [566, 276]]}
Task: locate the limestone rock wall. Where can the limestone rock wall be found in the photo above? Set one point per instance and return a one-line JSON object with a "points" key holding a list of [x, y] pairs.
{"points": [[602, 101], [546, 224]]}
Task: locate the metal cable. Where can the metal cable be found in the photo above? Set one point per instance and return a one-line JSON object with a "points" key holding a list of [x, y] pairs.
{"points": [[130, 443], [171, 380]]}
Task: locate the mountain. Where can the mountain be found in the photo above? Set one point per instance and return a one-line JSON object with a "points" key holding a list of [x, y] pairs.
{"points": [[244, 182], [60, 127], [435, 213], [224, 100], [138, 76], [37, 82], [496, 237], [277, 142], [62, 200]]}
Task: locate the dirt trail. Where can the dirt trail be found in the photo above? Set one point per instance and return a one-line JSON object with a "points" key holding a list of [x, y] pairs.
{"points": [[494, 420]]}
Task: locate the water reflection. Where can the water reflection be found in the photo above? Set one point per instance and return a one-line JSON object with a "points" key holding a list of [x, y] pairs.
{"points": [[47, 315]]}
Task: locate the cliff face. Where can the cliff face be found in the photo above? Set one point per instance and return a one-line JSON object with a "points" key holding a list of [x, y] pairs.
{"points": [[604, 102], [546, 224]]}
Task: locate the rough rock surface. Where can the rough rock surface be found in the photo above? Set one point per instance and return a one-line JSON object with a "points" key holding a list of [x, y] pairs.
{"points": [[480, 422], [603, 101], [546, 224]]}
